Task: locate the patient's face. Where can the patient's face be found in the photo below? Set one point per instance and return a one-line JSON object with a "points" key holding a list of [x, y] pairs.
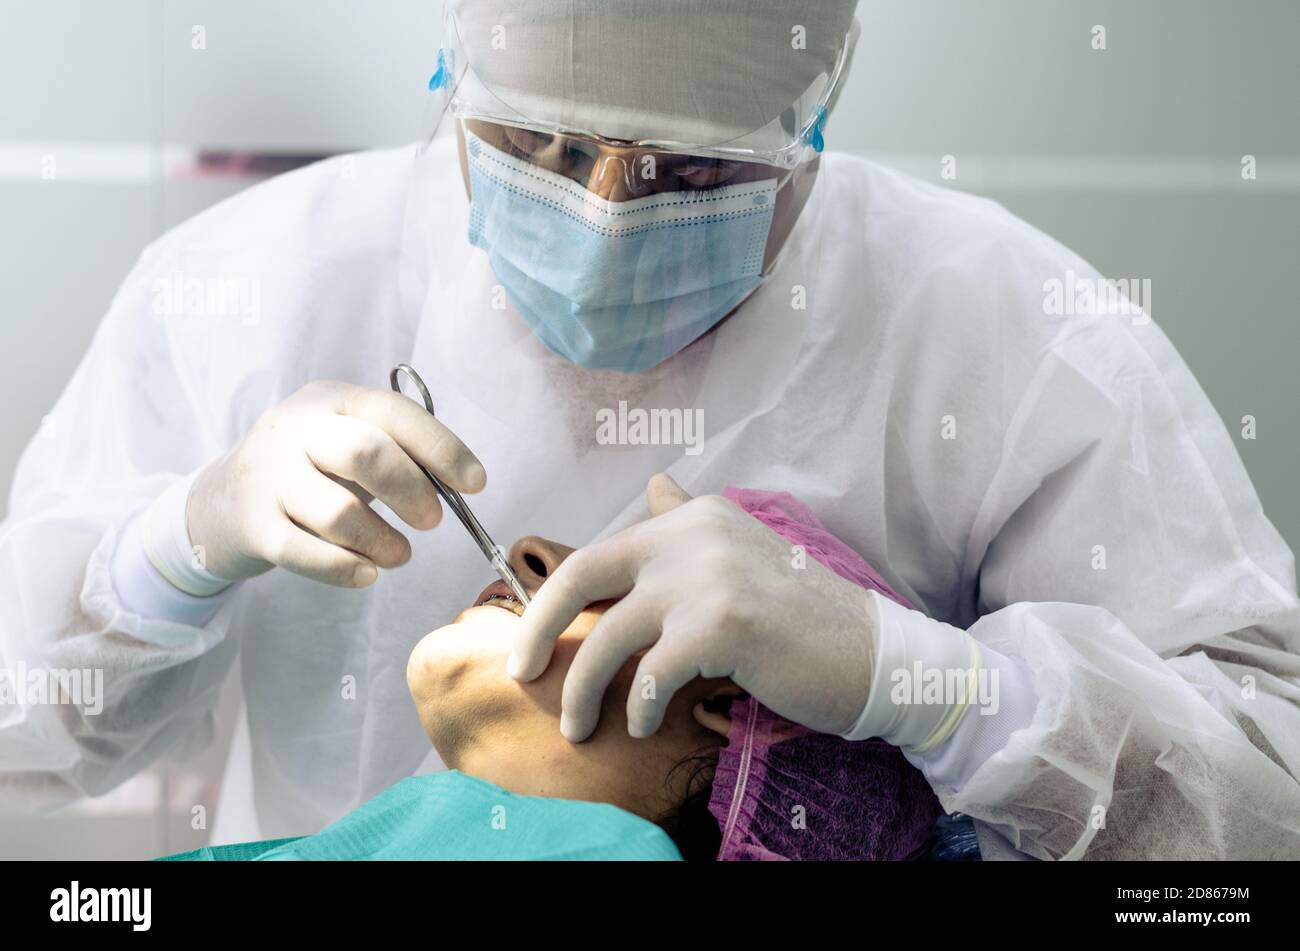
{"points": [[484, 723]]}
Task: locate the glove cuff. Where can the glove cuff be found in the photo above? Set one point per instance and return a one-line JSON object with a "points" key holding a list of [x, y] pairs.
{"points": [[166, 540], [924, 680]]}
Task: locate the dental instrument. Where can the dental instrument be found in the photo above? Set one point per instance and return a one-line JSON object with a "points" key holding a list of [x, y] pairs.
{"points": [[495, 555]]}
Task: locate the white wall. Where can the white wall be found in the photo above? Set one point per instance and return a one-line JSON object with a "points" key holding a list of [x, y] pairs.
{"points": [[1129, 155]]}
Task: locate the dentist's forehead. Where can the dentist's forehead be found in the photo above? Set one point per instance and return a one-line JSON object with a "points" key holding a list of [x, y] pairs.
{"points": [[706, 71]]}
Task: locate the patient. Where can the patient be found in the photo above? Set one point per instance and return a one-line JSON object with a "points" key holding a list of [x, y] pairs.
{"points": [[488, 725], [723, 778]]}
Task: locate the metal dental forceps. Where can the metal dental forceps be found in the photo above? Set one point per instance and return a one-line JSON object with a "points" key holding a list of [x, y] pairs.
{"points": [[491, 551]]}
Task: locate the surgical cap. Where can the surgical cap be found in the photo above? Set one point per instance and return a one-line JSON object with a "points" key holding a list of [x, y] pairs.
{"points": [[686, 71], [782, 791]]}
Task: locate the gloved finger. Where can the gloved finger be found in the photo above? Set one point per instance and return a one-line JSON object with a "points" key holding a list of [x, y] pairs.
{"points": [[305, 554], [364, 454], [597, 572], [365, 497], [663, 494], [328, 510], [666, 668], [628, 626], [423, 437]]}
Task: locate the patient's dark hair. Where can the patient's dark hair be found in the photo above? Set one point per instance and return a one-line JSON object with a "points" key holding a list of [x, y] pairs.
{"points": [[689, 823]]}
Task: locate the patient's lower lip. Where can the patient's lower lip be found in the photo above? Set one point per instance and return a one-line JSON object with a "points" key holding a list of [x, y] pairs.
{"points": [[497, 589]]}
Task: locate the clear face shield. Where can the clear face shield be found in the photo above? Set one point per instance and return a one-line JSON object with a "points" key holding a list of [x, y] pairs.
{"points": [[756, 87], [625, 211]]}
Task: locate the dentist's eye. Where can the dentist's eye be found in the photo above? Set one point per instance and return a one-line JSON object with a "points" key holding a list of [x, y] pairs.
{"points": [[526, 142], [706, 174]]}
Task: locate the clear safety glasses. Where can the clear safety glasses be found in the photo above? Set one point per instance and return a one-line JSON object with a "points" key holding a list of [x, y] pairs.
{"points": [[618, 170], [472, 95]]}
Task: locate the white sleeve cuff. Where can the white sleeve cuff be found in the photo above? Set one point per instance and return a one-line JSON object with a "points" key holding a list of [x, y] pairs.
{"points": [[1007, 704], [948, 701], [166, 538], [142, 587], [917, 661]]}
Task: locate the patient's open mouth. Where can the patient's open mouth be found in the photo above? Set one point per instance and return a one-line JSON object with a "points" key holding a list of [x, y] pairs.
{"points": [[498, 595]]}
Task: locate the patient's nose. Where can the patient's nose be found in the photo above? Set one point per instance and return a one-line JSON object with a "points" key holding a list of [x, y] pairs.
{"points": [[534, 558]]}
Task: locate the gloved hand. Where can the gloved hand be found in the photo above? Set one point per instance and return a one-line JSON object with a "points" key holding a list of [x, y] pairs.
{"points": [[295, 492], [712, 592]]}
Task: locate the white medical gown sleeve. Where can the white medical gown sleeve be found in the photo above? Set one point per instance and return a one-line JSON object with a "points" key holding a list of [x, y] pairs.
{"points": [[1004, 702], [142, 589], [156, 570], [990, 697], [1124, 560], [121, 432], [984, 730]]}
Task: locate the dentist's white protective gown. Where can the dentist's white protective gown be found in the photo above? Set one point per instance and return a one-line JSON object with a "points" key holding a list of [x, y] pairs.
{"points": [[987, 458]]}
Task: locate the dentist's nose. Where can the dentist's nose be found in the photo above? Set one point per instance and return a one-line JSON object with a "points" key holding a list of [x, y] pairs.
{"points": [[613, 176], [534, 559]]}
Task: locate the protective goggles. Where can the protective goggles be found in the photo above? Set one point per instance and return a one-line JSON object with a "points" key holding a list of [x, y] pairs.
{"points": [[620, 170]]}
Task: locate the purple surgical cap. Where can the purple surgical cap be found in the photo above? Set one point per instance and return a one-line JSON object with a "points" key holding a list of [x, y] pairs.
{"points": [[782, 791]]}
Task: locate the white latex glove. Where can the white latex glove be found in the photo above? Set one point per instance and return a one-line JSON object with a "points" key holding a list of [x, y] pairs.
{"points": [[295, 492], [711, 592]]}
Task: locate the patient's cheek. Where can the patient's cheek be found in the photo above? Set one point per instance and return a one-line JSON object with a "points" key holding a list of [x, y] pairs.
{"points": [[476, 645], [422, 669]]}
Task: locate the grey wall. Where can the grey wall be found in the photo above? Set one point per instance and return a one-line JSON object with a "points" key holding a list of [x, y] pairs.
{"points": [[1130, 155]]}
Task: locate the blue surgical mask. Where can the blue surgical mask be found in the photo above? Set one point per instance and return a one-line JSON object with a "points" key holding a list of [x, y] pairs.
{"points": [[616, 285]]}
